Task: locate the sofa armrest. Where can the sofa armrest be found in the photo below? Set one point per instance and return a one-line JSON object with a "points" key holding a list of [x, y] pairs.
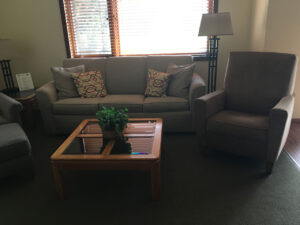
{"points": [[279, 125], [46, 96], [10, 108], [197, 89]]}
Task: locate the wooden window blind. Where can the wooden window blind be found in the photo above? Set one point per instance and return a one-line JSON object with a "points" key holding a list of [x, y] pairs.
{"points": [[134, 27]]}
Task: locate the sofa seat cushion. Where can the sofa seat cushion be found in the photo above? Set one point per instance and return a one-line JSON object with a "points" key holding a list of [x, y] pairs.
{"points": [[3, 120], [77, 106], [165, 104], [13, 142], [134, 103], [239, 124]]}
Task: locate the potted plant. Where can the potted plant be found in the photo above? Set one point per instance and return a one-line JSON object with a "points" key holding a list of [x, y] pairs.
{"points": [[112, 122]]}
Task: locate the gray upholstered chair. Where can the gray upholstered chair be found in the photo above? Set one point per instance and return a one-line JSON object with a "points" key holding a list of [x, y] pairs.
{"points": [[251, 116], [15, 149], [10, 110]]}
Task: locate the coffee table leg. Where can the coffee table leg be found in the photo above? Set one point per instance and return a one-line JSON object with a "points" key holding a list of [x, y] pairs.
{"points": [[156, 186], [58, 181]]}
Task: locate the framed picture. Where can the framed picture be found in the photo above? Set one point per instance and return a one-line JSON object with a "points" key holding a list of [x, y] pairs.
{"points": [[24, 81]]}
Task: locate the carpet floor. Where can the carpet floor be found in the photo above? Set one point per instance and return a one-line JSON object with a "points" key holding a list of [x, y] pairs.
{"points": [[215, 190]]}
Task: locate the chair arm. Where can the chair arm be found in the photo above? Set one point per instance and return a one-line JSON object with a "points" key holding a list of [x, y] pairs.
{"points": [[197, 89], [46, 96], [210, 104], [279, 125], [205, 107], [10, 108]]}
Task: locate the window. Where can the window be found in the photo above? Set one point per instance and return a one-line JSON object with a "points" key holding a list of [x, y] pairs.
{"points": [[134, 27]]}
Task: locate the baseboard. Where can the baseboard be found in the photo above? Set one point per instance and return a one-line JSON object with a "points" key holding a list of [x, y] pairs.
{"points": [[296, 120]]}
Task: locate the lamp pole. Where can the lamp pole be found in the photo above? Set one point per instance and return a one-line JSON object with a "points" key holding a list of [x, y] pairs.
{"points": [[7, 75], [212, 63]]}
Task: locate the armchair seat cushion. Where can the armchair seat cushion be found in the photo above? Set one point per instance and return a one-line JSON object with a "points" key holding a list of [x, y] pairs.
{"points": [[76, 106], [165, 104], [3, 120], [134, 103], [239, 124], [13, 142]]}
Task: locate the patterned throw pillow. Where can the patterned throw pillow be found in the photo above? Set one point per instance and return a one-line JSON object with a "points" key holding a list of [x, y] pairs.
{"points": [[157, 83], [89, 84]]}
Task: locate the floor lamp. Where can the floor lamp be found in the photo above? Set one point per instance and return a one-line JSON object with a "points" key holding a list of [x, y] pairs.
{"points": [[213, 25], [7, 52]]}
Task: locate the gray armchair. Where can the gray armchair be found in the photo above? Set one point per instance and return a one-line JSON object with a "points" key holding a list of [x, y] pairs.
{"points": [[10, 110], [15, 149], [251, 116]]}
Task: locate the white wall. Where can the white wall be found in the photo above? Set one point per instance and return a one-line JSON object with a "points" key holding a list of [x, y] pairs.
{"points": [[283, 34], [35, 28], [259, 23]]}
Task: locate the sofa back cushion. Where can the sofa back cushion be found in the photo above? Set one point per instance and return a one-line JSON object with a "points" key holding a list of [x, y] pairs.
{"points": [[126, 75], [91, 64], [256, 81], [161, 62]]}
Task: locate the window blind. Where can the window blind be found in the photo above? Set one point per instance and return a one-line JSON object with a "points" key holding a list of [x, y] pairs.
{"points": [[161, 26], [88, 27], [135, 27]]}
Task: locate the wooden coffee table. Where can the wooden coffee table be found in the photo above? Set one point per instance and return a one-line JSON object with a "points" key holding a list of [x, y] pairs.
{"points": [[84, 150]]}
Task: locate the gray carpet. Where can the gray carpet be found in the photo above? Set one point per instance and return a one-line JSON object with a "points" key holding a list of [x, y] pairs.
{"points": [[221, 190]]}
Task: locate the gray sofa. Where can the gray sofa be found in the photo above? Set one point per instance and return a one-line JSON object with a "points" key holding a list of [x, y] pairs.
{"points": [[125, 81]]}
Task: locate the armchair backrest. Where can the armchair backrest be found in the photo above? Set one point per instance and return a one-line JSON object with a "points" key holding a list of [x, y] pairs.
{"points": [[256, 81]]}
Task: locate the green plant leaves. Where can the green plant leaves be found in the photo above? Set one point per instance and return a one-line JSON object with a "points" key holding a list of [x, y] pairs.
{"points": [[112, 119]]}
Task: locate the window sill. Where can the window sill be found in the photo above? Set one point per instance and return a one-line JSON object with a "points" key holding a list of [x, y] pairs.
{"points": [[200, 57]]}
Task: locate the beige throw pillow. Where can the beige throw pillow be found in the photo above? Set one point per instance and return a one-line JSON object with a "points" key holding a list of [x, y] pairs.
{"points": [[157, 83], [63, 80], [180, 79], [89, 84]]}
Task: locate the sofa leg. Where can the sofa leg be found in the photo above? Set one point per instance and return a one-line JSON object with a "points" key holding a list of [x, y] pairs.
{"points": [[269, 167]]}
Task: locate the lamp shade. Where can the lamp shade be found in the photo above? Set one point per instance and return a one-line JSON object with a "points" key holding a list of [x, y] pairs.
{"points": [[7, 49], [214, 24]]}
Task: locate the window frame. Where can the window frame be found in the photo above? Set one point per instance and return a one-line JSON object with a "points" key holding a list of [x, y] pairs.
{"points": [[115, 42]]}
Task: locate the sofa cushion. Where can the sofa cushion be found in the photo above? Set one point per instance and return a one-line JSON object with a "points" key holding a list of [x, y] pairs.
{"points": [[238, 124], [91, 64], [161, 62], [126, 75], [63, 80], [89, 84], [165, 104], [134, 103], [76, 106], [180, 79], [157, 83], [13, 142]]}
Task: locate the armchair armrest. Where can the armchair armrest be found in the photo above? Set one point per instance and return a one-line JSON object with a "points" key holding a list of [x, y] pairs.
{"points": [[279, 125], [210, 104], [46, 96], [10, 108], [197, 89], [206, 106]]}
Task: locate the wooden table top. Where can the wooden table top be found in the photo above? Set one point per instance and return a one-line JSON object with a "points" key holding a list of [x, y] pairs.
{"points": [[86, 142]]}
